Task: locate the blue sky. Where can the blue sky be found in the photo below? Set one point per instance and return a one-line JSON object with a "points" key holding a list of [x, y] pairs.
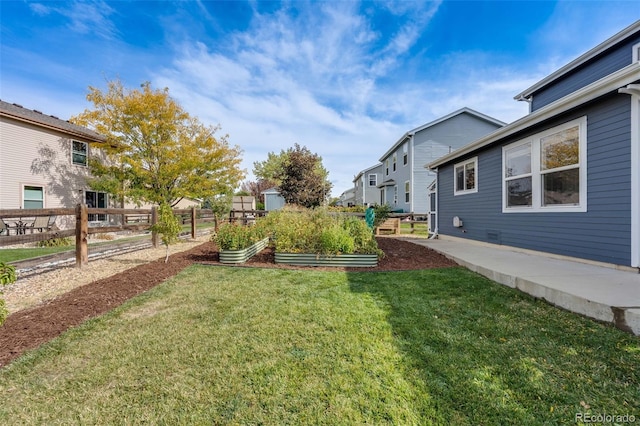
{"points": [[344, 78]]}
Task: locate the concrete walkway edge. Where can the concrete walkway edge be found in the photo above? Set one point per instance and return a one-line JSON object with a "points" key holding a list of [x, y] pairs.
{"points": [[605, 294]]}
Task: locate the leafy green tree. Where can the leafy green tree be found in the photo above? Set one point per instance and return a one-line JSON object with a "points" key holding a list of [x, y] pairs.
{"points": [[155, 151], [256, 188], [167, 226], [270, 170], [303, 179]]}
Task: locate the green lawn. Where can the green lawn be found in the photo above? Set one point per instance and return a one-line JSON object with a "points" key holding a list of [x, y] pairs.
{"points": [[418, 228], [225, 345]]}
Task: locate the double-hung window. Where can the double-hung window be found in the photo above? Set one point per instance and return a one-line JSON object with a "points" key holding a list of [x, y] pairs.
{"points": [[33, 197], [373, 179], [466, 177], [547, 172], [79, 152], [386, 167], [407, 188], [405, 153], [395, 161]]}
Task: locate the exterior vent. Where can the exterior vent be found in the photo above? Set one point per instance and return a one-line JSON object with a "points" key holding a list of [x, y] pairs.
{"points": [[494, 237]]}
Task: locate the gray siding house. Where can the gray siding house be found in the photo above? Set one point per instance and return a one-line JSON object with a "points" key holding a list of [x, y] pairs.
{"points": [[565, 179], [405, 181], [365, 186]]}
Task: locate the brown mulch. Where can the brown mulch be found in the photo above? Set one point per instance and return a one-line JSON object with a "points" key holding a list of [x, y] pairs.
{"points": [[29, 328]]}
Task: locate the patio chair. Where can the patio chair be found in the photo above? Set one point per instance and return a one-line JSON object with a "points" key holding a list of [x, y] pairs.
{"points": [[3, 227], [41, 223]]}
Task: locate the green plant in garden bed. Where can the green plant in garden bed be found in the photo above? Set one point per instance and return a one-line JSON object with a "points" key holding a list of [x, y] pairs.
{"points": [[320, 232], [235, 236]]}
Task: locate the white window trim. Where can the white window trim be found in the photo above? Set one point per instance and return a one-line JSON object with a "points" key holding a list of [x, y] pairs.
{"points": [[395, 195], [636, 53], [386, 164], [455, 177], [87, 154], [395, 162], [34, 185], [536, 181], [375, 176]]}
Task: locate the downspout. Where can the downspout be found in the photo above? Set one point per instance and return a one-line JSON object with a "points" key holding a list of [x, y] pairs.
{"points": [[435, 230], [634, 91], [411, 177]]}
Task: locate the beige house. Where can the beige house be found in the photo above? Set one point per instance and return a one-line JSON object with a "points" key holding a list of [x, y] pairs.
{"points": [[44, 163]]}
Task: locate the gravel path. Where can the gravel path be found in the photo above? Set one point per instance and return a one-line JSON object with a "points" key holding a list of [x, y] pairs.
{"points": [[37, 289]]}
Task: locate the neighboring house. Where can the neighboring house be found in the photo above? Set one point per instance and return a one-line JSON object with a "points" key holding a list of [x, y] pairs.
{"points": [[405, 181], [272, 199], [348, 198], [44, 161], [565, 179], [365, 186]]}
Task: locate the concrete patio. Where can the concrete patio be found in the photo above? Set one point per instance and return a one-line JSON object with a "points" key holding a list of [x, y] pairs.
{"points": [[598, 292]]}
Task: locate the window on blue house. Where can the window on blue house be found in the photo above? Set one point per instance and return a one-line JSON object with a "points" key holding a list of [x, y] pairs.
{"points": [[547, 172], [466, 178]]}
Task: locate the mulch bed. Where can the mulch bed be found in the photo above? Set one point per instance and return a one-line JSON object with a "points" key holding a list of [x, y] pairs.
{"points": [[29, 328]]}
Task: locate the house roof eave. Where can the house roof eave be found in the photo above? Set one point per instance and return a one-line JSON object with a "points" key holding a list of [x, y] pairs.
{"points": [[610, 83], [526, 94]]}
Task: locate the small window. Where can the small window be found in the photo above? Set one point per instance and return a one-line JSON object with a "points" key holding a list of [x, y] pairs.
{"points": [[79, 153], [466, 178], [636, 52], [395, 160], [386, 163], [405, 153], [373, 179], [395, 194], [407, 187], [33, 197]]}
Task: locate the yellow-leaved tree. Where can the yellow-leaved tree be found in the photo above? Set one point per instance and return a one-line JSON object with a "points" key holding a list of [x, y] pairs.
{"points": [[155, 151]]}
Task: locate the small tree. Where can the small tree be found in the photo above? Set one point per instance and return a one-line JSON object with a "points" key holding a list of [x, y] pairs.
{"points": [[7, 276], [168, 227]]}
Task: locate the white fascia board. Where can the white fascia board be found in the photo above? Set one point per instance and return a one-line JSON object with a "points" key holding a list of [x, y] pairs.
{"points": [[395, 146], [612, 41], [610, 83]]}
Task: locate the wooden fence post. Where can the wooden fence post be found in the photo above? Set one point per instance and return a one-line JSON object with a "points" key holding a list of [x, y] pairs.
{"points": [[193, 223], [154, 220], [82, 231]]}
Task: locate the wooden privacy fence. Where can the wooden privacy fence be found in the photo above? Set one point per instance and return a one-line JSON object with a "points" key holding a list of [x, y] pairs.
{"points": [[20, 222]]}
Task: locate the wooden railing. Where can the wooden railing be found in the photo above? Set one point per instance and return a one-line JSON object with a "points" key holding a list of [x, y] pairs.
{"points": [[20, 219]]}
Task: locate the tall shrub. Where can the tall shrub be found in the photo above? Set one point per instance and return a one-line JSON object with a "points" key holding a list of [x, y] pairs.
{"points": [[7, 276]]}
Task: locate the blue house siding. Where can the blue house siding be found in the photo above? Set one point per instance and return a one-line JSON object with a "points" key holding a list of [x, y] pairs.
{"points": [[603, 233], [607, 63]]}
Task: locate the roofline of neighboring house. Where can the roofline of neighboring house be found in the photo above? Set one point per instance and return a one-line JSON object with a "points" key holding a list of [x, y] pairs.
{"points": [[19, 113], [607, 44], [608, 84], [464, 110], [365, 171]]}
